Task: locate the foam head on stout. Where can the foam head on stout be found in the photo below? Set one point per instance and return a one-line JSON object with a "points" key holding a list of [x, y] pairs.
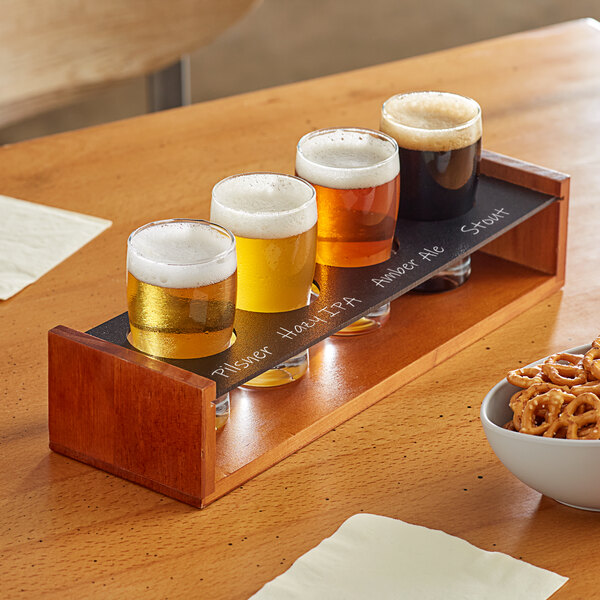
{"points": [[355, 173], [274, 218], [439, 136], [181, 288]]}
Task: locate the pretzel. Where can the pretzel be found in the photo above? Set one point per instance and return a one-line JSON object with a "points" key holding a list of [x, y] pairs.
{"points": [[519, 400], [525, 376], [584, 426], [558, 429], [541, 388], [587, 399], [557, 372], [545, 408], [588, 386], [516, 404], [559, 398], [591, 362]]}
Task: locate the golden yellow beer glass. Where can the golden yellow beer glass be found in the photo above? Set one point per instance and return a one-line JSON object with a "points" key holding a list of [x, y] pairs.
{"points": [[356, 175], [181, 290], [274, 219]]}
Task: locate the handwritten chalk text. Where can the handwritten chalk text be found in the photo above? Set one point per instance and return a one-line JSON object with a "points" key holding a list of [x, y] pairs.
{"points": [[476, 226], [427, 254], [394, 273], [326, 313], [243, 363]]}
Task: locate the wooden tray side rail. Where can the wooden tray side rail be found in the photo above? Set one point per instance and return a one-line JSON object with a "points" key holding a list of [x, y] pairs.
{"points": [[154, 423]]}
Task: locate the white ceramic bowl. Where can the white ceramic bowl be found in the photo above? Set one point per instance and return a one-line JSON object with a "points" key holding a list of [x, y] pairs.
{"points": [[566, 470]]}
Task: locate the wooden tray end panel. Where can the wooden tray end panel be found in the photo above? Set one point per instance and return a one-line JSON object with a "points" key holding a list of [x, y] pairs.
{"points": [[131, 415], [541, 241]]}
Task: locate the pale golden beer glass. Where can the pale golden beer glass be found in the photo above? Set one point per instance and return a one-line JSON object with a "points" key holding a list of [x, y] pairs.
{"points": [[356, 175], [274, 219], [181, 290]]}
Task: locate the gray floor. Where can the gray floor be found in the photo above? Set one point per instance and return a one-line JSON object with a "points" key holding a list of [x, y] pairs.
{"points": [[290, 40]]}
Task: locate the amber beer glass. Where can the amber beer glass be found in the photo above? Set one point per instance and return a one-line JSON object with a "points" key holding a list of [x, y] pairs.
{"points": [[356, 175], [181, 290], [274, 219], [439, 136]]}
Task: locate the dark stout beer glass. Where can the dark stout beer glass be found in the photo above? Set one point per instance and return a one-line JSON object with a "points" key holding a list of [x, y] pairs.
{"points": [[439, 139]]}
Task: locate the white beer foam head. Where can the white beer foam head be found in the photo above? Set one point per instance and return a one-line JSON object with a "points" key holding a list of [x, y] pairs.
{"points": [[347, 158], [181, 254], [433, 121], [264, 205]]}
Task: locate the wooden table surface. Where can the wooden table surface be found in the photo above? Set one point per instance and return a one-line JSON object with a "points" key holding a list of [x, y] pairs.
{"points": [[68, 530]]}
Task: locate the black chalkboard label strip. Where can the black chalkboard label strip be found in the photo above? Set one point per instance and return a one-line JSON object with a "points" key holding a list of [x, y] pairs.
{"points": [[423, 248]]}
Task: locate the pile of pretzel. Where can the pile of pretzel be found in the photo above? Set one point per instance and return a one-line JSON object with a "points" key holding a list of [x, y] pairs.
{"points": [[560, 398]]}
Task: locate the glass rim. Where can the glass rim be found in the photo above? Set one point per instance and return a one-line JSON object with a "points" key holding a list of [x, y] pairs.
{"points": [[280, 212], [216, 257], [463, 125], [371, 132]]}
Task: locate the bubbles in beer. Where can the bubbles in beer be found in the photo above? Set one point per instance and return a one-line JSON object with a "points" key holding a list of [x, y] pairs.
{"points": [[347, 159], [264, 205], [180, 254], [432, 121]]}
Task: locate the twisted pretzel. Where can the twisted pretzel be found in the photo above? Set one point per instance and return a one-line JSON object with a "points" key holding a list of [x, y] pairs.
{"points": [[517, 404], [583, 426], [525, 376], [591, 362], [557, 372], [588, 386], [519, 400], [559, 398], [545, 408]]}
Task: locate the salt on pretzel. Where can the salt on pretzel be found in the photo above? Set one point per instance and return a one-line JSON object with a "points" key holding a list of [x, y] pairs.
{"points": [[517, 404], [588, 386], [572, 373], [545, 408], [535, 391], [582, 426], [518, 400], [591, 362], [525, 376], [541, 388]]}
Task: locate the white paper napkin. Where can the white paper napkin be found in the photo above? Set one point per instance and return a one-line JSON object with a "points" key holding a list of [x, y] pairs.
{"points": [[374, 557], [35, 238]]}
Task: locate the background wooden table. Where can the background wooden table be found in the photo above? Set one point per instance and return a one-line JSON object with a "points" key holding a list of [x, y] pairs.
{"points": [[67, 530]]}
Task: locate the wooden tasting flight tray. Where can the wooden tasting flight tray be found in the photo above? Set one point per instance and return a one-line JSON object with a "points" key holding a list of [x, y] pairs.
{"points": [[153, 421]]}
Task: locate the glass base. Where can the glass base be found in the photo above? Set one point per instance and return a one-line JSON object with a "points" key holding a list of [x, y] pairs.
{"points": [[374, 320], [453, 276], [290, 370], [222, 411]]}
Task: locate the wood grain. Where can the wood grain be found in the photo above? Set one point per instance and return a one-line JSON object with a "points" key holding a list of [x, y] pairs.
{"points": [[530, 243], [58, 51], [419, 455], [130, 415], [92, 412]]}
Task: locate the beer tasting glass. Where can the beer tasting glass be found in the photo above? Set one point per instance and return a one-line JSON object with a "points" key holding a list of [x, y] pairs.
{"points": [[356, 175], [439, 135], [181, 291], [274, 219]]}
